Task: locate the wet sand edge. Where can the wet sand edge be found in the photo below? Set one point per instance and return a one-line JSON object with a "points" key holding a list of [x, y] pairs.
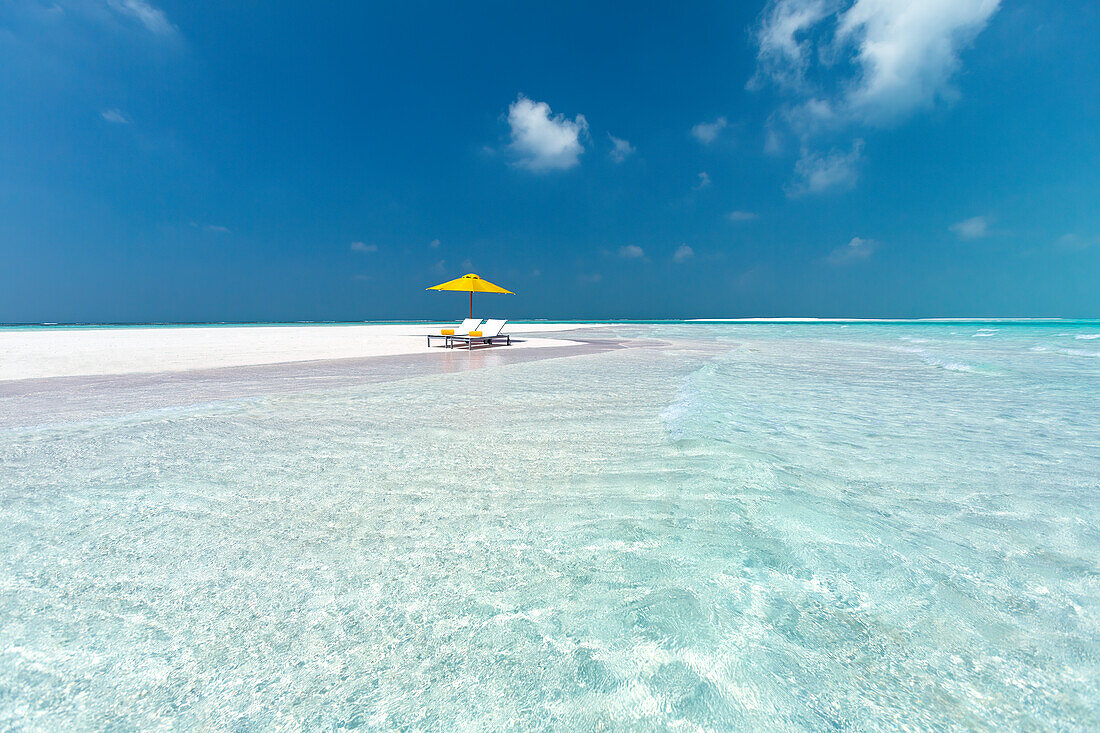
{"points": [[30, 402]]}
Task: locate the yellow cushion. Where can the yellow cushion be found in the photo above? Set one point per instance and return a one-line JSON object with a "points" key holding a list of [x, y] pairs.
{"points": [[447, 331], [475, 334]]}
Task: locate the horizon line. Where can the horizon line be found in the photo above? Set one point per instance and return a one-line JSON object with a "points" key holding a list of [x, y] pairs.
{"points": [[755, 319]]}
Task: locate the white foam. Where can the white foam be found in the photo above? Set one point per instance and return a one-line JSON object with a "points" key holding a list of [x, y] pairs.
{"points": [[936, 361]]}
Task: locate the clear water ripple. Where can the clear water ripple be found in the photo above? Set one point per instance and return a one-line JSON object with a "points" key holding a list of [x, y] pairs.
{"points": [[749, 527]]}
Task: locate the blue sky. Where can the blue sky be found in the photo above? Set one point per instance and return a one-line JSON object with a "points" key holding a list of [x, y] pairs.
{"points": [[194, 161]]}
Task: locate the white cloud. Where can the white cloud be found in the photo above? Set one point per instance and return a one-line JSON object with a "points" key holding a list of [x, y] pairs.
{"points": [[707, 132], [784, 56], [682, 253], [151, 17], [773, 139], [631, 252], [115, 115], [1075, 242], [908, 51], [621, 150], [843, 63], [704, 181], [973, 228], [886, 58], [855, 251], [817, 173], [742, 215], [589, 278], [434, 244], [212, 228], [813, 116], [543, 141], [363, 247]]}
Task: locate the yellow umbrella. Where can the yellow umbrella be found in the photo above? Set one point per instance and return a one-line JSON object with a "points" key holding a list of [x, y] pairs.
{"points": [[471, 283]]}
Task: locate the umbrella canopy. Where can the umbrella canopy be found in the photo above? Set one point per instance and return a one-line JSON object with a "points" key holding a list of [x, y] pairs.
{"points": [[471, 283]]}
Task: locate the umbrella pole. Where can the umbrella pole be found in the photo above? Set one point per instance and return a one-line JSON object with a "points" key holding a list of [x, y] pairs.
{"points": [[471, 304]]}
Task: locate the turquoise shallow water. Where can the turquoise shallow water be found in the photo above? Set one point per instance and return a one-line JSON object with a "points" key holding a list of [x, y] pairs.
{"points": [[733, 527]]}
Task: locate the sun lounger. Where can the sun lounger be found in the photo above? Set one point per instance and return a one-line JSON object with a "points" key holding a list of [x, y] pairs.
{"points": [[490, 332], [470, 324]]}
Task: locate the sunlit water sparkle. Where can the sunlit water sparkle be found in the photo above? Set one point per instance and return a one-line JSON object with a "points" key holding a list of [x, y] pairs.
{"points": [[746, 527]]}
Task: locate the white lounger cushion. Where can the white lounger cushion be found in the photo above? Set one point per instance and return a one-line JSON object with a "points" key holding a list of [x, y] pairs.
{"points": [[492, 328], [469, 324]]}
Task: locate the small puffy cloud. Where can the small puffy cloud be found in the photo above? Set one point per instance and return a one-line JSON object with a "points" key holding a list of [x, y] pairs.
{"points": [[543, 141], [973, 228], [434, 244], [742, 215], [621, 149], [115, 115], [363, 247], [683, 253], [631, 252], [707, 132], [817, 172], [151, 17], [704, 181], [856, 250], [589, 278]]}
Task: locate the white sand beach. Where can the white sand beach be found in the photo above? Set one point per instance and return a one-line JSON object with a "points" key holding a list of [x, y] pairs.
{"points": [[73, 352]]}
